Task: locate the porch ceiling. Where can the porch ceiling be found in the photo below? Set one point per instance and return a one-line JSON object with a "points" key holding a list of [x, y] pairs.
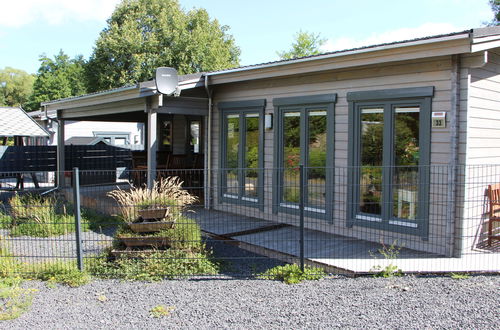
{"points": [[133, 110]]}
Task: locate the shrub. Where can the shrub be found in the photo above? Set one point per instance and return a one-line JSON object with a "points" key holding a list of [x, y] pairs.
{"points": [[292, 274], [167, 192]]}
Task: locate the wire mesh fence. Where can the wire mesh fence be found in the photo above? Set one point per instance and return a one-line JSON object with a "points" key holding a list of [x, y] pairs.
{"points": [[243, 222]]}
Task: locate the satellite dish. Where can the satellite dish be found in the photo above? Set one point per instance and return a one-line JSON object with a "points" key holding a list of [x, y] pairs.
{"points": [[166, 80]]}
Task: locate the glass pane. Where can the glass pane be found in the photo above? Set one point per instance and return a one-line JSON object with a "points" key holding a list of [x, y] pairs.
{"points": [[232, 147], [251, 154], [316, 173], [120, 141], [195, 136], [372, 127], [406, 157], [166, 133], [291, 157]]}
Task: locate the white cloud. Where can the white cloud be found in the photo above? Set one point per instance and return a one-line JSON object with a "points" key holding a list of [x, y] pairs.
{"points": [[16, 13], [427, 29]]}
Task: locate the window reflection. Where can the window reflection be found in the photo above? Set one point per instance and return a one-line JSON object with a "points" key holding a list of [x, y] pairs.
{"points": [[372, 127]]}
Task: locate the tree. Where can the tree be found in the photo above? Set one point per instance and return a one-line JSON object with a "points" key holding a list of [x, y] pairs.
{"points": [[495, 7], [305, 44], [15, 87], [142, 35], [58, 78]]}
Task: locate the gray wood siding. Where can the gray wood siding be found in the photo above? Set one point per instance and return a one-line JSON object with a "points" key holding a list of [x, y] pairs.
{"points": [[429, 72], [482, 149]]}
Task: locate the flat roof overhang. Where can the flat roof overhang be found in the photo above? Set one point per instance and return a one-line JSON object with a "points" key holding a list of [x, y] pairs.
{"points": [[130, 104], [466, 42]]}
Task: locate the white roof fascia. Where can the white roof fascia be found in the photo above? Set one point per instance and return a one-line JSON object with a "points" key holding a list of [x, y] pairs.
{"points": [[83, 97], [484, 43], [345, 53]]}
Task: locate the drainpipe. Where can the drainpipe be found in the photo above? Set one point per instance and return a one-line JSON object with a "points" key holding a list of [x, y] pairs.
{"points": [[454, 161], [208, 148]]}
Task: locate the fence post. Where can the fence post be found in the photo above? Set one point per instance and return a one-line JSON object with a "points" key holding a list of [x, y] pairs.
{"points": [[78, 218], [301, 215]]}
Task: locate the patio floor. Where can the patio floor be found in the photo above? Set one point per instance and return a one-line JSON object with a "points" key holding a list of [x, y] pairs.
{"points": [[333, 252]]}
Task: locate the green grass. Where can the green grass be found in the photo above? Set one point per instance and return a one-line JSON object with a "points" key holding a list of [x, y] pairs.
{"points": [[63, 272], [292, 274], [60, 272], [35, 216], [160, 265]]}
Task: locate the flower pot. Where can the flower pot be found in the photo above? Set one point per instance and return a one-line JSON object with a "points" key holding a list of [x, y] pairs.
{"points": [[145, 241], [158, 213], [148, 227]]}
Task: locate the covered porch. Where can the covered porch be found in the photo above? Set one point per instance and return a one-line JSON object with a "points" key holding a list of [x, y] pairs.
{"points": [[174, 133]]}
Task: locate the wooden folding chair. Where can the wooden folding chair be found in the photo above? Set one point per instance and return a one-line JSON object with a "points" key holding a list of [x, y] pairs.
{"points": [[494, 213]]}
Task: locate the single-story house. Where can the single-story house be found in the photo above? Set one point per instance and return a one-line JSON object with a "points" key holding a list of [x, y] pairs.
{"points": [[397, 139]]}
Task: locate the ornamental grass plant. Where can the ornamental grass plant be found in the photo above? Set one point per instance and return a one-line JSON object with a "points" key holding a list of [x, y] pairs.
{"points": [[166, 193]]}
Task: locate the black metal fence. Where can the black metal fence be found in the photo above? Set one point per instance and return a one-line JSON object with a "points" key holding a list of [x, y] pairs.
{"points": [[242, 222]]}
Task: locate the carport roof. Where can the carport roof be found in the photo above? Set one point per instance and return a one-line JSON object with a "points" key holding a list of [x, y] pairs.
{"points": [[15, 122]]}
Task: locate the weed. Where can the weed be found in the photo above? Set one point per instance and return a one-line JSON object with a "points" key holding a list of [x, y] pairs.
{"points": [[60, 272], [9, 266], [292, 274], [154, 267], [389, 252], [459, 276], [14, 300], [53, 272], [161, 311]]}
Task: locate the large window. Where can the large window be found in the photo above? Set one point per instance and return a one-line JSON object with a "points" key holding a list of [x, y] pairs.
{"points": [[115, 138], [304, 135], [242, 140], [389, 155]]}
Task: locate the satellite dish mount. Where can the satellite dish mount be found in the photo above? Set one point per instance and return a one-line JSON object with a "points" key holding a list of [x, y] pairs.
{"points": [[167, 81]]}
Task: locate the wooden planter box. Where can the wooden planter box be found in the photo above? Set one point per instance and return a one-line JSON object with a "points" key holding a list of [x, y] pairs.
{"points": [[145, 241], [148, 214], [148, 227]]}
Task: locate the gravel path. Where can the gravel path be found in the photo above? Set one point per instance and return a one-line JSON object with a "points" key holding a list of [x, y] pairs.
{"points": [[371, 303]]}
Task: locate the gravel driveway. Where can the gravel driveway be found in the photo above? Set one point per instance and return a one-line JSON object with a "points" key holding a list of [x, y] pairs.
{"points": [[339, 302]]}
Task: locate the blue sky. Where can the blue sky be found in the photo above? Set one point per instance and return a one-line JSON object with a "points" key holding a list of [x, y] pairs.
{"points": [[29, 28]]}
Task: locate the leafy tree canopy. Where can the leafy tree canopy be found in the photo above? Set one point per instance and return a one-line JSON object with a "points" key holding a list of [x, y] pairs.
{"points": [[58, 78], [15, 87], [142, 35], [305, 44], [495, 6]]}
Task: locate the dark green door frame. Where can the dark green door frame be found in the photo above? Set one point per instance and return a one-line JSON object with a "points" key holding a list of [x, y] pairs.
{"points": [[388, 100]]}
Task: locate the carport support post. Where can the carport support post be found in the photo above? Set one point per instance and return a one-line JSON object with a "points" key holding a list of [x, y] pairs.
{"points": [[78, 218], [301, 215], [152, 105], [60, 154]]}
